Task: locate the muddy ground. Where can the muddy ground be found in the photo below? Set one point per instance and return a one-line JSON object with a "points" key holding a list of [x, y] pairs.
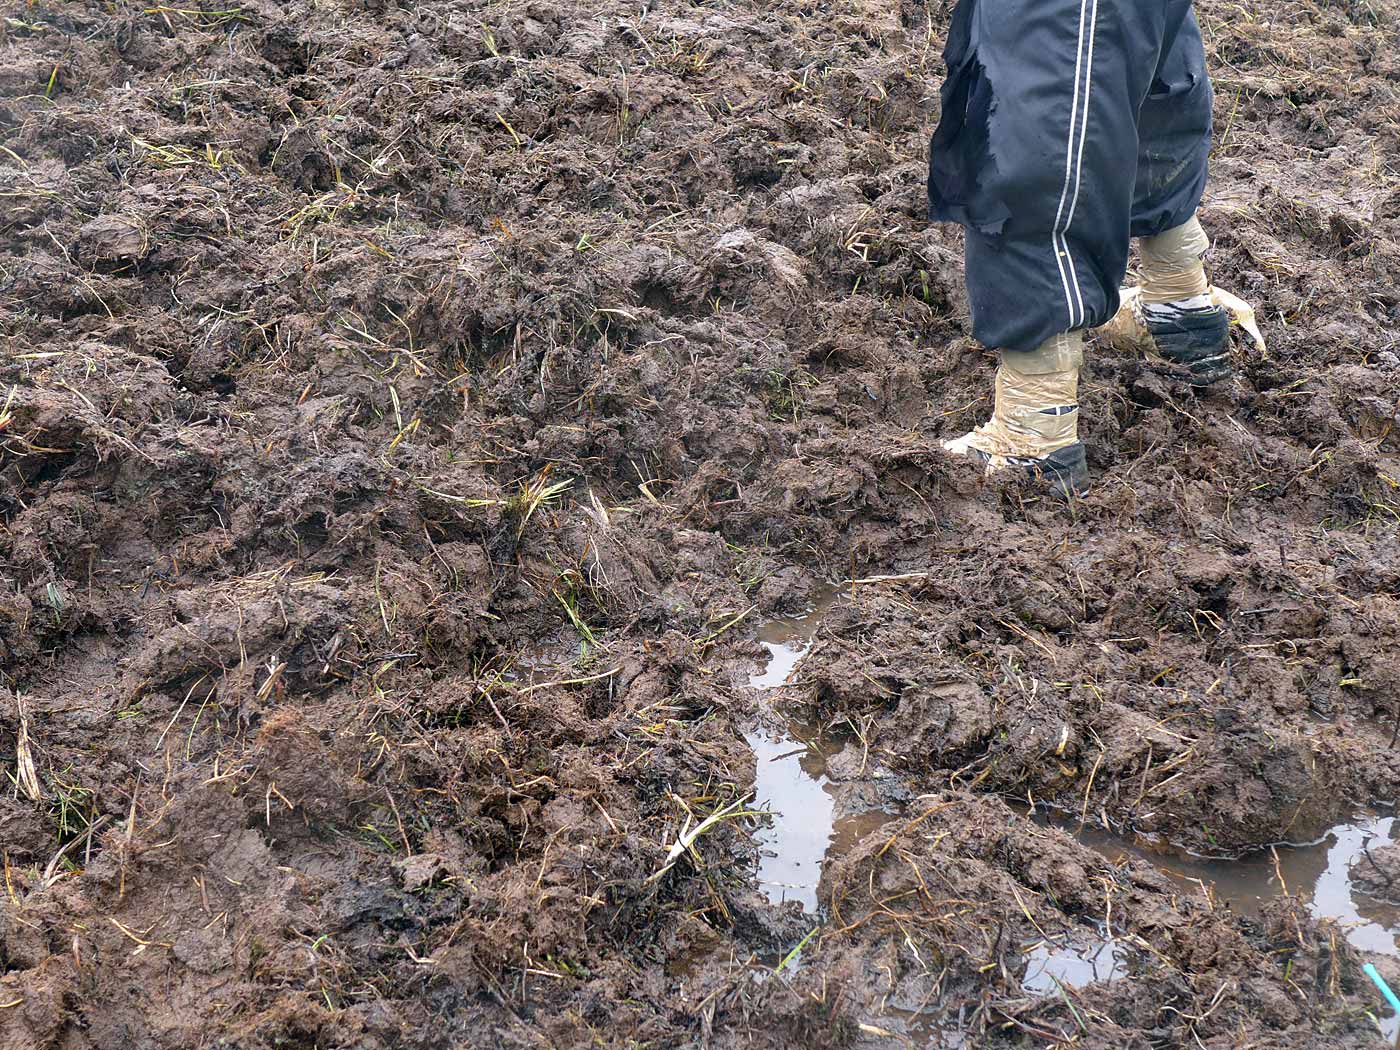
{"points": [[410, 414]]}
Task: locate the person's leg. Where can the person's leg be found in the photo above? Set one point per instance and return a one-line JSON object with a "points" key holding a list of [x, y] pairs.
{"points": [[1180, 317], [1174, 313], [1174, 136], [1035, 157]]}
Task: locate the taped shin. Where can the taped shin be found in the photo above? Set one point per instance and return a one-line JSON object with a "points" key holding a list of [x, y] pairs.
{"points": [[1173, 267], [1037, 406]]}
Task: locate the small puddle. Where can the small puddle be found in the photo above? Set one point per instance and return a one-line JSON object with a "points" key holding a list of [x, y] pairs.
{"points": [[927, 1029], [789, 639], [1321, 873], [791, 779], [791, 784], [1072, 967]]}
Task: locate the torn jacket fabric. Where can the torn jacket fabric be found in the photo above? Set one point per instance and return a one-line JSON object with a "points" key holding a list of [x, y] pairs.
{"points": [[1068, 127]]}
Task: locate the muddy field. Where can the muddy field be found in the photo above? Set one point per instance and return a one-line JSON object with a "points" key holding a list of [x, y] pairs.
{"points": [[414, 421]]}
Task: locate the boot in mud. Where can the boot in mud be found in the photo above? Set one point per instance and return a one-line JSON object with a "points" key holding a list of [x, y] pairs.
{"points": [[1035, 420], [1065, 471], [1176, 315], [1195, 339], [1191, 338]]}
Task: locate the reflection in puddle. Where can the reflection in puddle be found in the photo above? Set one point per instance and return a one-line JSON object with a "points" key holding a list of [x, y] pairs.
{"points": [[782, 661], [1370, 925], [790, 782], [1072, 967], [791, 778], [928, 1029], [789, 640], [1320, 872]]}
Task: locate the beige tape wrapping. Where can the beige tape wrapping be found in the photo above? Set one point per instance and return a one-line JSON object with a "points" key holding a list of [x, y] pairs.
{"points": [[1173, 266], [1241, 313], [1059, 353], [1037, 404]]}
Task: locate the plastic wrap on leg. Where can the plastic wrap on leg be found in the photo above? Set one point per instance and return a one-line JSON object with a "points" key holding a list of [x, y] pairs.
{"points": [[1128, 328], [1037, 405], [1173, 264]]}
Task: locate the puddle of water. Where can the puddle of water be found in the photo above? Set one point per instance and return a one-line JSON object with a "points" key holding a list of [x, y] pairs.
{"points": [[789, 639], [930, 1034], [791, 784], [925, 1027], [1371, 925], [1072, 967], [1319, 872], [782, 661], [791, 778]]}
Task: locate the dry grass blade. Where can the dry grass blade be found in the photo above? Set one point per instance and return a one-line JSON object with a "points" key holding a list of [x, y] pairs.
{"points": [[535, 494], [24, 761], [466, 501], [568, 681], [51, 871], [7, 414]]}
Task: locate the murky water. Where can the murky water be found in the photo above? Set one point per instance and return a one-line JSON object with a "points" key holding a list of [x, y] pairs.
{"points": [[1073, 966], [791, 778], [789, 639], [924, 1030], [1320, 872], [791, 782]]}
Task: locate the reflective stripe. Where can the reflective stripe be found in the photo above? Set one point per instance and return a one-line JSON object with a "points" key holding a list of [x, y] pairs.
{"points": [[1083, 136], [1074, 164]]}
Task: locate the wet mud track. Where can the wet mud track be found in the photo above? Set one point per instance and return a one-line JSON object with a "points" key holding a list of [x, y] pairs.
{"points": [[410, 418]]}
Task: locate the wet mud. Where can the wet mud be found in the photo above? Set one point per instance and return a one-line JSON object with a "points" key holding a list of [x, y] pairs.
{"points": [[411, 415]]}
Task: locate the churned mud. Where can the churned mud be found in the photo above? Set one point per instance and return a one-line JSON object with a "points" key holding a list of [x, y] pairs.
{"points": [[411, 415]]}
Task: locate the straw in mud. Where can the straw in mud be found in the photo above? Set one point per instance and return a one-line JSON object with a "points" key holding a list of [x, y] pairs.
{"points": [[24, 759]]}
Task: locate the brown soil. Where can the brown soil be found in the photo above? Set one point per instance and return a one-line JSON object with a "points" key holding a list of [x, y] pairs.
{"points": [[410, 412]]}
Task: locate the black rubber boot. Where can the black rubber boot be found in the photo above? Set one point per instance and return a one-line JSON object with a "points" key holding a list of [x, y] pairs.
{"points": [[1065, 470], [1196, 342]]}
